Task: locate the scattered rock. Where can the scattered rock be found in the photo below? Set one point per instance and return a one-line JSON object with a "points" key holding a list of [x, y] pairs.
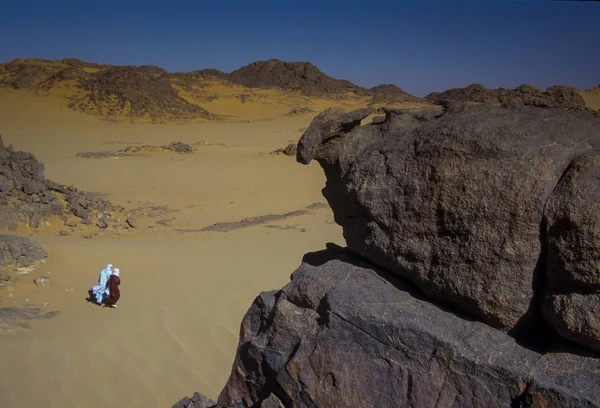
{"points": [[87, 221], [33, 198], [289, 150], [15, 320], [6, 280], [300, 111], [165, 222], [131, 221], [176, 147], [63, 233], [42, 281], [132, 151], [71, 223], [89, 236], [104, 221], [179, 147]]}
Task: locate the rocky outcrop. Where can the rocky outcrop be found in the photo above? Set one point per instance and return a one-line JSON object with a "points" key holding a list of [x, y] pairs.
{"points": [[19, 252], [303, 77], [196, 401], [18, 255], [391, 94], [572, 218], [289, 150], [343, 333], [144, 91], [27, 197], [471, 274], [452, 202], [555, 96]]}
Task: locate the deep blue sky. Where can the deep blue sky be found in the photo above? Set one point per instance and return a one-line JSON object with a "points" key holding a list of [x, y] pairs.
{"points": [[421, 46]]}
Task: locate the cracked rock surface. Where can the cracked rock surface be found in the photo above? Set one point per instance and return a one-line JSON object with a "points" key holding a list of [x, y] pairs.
{"points": [[454, 202], [345, 334]]}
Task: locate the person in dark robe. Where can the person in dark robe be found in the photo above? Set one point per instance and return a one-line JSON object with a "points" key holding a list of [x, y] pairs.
{"points": [[113, 288]]}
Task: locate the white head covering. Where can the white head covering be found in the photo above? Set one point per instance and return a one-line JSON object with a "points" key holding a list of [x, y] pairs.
{"points": [[116, 272]]}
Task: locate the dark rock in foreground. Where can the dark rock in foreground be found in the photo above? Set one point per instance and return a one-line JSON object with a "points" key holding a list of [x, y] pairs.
{"points": [[344, 334], [453, 202], [572, 216], [196, 401]]}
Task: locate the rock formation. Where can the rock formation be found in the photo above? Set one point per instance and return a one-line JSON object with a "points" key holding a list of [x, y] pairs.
{"points": [[19, 252], [555, 96], [470, 277], [572, 221], [390, 94], [26, 196], [454, 203], [345, 334], [303, 77]]}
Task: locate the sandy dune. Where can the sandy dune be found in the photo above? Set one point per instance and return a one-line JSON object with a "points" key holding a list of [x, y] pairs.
{"points": [[184, 292]]}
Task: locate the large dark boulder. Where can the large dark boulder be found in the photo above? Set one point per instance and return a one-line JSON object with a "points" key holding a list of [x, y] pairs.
{"points": [[345, 334], [572, 303], [196, 401], [453, 202]]}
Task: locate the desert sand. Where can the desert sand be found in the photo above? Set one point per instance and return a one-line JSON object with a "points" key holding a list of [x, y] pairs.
{"points": [[184, 291]]}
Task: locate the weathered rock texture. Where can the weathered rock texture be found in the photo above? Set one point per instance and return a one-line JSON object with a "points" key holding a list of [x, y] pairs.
{"points": [[452, 202], [572, 303], [555, 96], [390, 94], [196, 401], [19, 252], [303, 77], [345, 334], [493, 213], [27, 197]]}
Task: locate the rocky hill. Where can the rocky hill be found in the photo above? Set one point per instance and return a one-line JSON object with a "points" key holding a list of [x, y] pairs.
{"points": [[120, 93], [595, 91], [301, 77], [28, 198], [470, 274], [151, 94], [388, 94], [554, 96]]}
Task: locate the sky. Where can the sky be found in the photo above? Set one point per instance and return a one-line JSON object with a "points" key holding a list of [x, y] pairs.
{"points": [[419, 45]]}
